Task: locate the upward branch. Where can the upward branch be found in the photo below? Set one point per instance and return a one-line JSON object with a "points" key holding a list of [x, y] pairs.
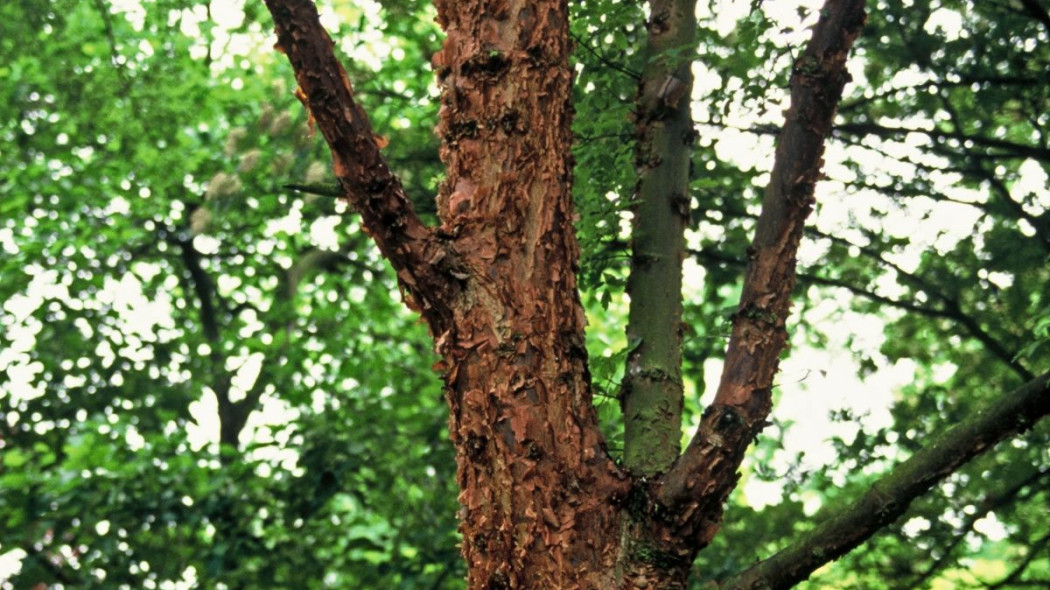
{"points": [[705, 473], [421, 260], [652, 383]]}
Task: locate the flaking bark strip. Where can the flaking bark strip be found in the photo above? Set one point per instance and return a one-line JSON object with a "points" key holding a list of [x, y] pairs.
{"points": [[366, 181]]}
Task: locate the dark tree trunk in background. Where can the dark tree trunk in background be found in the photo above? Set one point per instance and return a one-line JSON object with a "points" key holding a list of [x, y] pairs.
{"points": [[543, 505]]}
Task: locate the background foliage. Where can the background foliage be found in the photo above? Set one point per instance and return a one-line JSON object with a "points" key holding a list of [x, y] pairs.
{"points": [[209, 380]]}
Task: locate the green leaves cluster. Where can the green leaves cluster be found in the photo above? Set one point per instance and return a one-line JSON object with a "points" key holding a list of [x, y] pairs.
{"points": [[160, 286]]}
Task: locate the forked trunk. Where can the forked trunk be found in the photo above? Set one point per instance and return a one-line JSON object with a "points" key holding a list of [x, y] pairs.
{"points": [[543, 505]]}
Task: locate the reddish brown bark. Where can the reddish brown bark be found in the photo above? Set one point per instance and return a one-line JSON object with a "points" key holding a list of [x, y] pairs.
{"points": [[496, 283], [538, 490], [543, 505], [425, 264], [706, 472]]}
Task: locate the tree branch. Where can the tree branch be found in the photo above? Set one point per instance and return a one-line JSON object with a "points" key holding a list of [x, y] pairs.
{"points": [[705, 473], [989, 504], [1037, 11], [950, 308], [889, 498], [651, 390], [605, 60], [963, 82], [1040, 223], [204, 289], [1011, 149], [231, 419], [709, 256], [424, 264]]}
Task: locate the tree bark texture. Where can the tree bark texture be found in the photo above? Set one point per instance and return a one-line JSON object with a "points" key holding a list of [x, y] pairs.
{"points": [[543, 505], [539, 492], [704, 475], [651, 394], [496, 283]]}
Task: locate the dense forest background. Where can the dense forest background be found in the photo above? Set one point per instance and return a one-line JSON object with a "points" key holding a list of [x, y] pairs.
{"points": [[208, 379]]}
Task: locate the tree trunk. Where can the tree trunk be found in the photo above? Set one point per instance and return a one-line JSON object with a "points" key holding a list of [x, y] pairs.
{"points": [[543, 504], [539, 493]]}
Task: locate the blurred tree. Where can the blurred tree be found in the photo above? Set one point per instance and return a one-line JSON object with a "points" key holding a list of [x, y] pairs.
{"points": [[208, 380]]}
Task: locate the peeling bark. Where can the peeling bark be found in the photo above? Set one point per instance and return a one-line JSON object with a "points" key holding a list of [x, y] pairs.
{"points": [[426, 265], [543, 506], [496, 283], [706, 472], [539, 492]]}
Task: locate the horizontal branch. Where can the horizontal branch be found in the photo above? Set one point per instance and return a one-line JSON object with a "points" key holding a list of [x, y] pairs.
{"points": [[964, 81], [889, 498], [1011, 149], [714, 257], [424, 264]]}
